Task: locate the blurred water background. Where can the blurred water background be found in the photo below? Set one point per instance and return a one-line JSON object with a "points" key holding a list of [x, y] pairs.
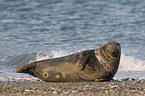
{"points": [[33, 30]]}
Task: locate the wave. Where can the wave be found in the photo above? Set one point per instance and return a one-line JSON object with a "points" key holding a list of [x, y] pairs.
{"points": [[52, 54], [20, 59], [127, 63], [130, 63]]}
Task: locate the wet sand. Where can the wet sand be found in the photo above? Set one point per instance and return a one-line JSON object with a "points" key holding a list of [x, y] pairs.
{"points": [[124, 87]]}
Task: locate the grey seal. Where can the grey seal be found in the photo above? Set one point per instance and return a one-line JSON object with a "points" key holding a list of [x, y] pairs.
{"points": [[90, 65]]}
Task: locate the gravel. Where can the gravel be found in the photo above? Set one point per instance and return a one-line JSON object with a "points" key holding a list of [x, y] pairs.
{"points": [[124, 87]]}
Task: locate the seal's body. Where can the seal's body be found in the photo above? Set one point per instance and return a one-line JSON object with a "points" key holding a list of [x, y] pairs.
{"points": [[89, 65]]}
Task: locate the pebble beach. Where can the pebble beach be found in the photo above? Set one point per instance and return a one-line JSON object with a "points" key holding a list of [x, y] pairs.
{"points": [[123, 87], [35, 30]]}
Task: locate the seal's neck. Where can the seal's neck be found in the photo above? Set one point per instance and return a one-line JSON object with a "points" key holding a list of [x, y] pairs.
{"points": [[105, 58]]}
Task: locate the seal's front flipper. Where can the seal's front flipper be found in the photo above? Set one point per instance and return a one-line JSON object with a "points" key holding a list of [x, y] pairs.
{"points": [[83, 60], [26, 69], [82, 64]]}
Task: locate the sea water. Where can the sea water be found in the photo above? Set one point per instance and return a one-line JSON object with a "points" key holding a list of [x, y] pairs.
{"points": [[33, 30]]}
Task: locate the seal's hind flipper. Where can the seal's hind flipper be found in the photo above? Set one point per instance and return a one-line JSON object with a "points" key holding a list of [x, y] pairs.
{"points": [[26, 69]]}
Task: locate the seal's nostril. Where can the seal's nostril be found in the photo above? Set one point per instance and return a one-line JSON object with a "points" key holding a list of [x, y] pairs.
{"points": [[115, 49]]}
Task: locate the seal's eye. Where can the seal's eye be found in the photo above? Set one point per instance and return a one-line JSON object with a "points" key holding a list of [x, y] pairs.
{"points": [[109, 44]]}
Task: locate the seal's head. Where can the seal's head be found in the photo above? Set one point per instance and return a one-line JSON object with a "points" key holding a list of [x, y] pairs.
{"points": [[113, 48]]}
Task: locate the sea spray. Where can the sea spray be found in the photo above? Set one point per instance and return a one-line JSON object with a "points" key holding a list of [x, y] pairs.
{"points": [[130, 63], [52, 54]]}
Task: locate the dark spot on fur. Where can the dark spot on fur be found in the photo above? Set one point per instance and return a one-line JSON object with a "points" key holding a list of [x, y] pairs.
{"points": [[45, 74]]}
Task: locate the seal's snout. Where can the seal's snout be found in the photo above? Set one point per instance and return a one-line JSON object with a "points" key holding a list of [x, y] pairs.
{"points": [[115, 47]]}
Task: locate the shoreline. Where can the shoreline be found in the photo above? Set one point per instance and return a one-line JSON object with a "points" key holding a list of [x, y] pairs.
{"points": [[124, 87]]}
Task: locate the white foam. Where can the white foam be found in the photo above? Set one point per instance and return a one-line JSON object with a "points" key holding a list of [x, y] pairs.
{"points": [[11, 78], [130, 63], [58, 53], [40, 57], [53, 54]]}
